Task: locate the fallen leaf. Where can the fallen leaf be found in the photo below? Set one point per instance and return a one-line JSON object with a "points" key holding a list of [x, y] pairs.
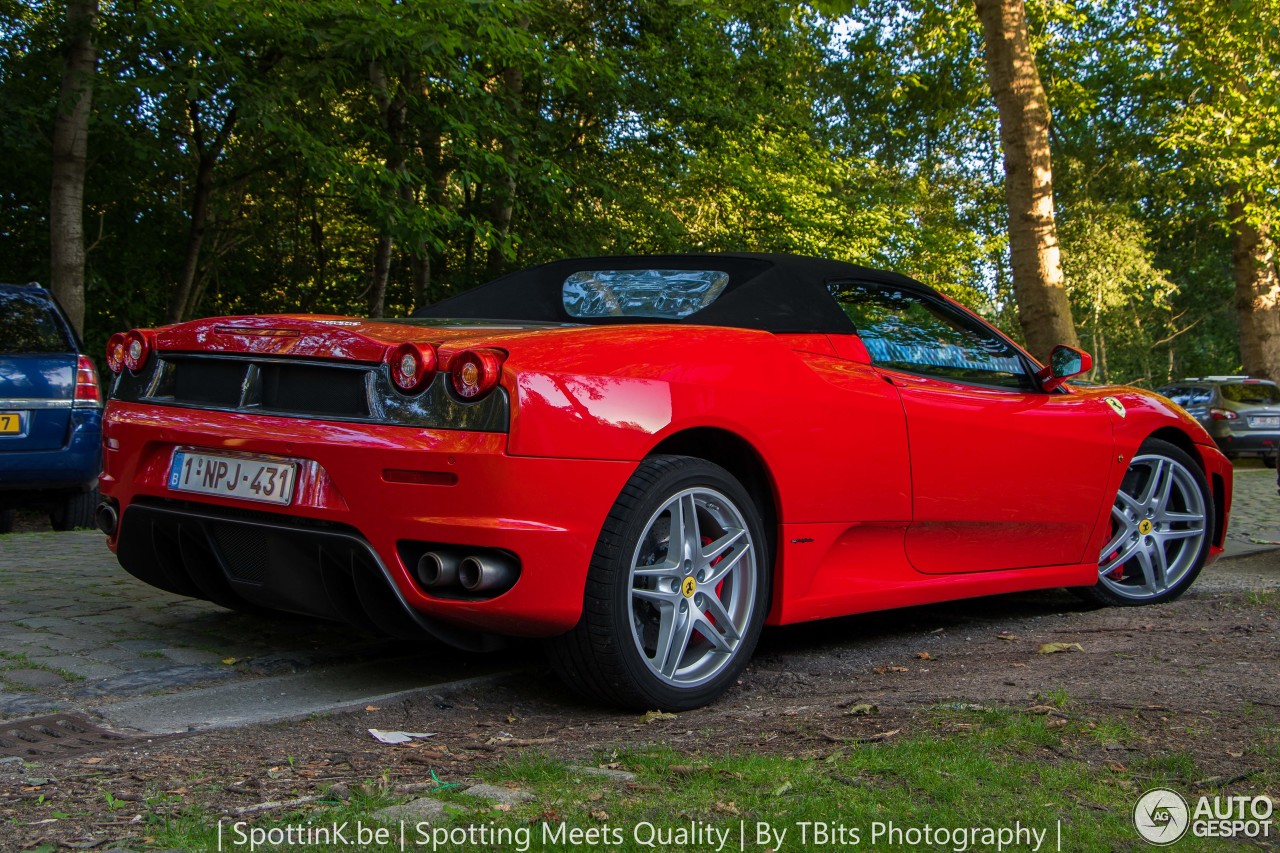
{"points": [[1051, 648], [600, 815], [1235, 754], [924, 656], [726, 808], [876, 738], [1041, 709], [502, 807], [1005, 635], [881, 670], [862, 709], [595, 797], [512, 718], [372, 708], [229, 661], [1055, 723], [650, 716], [1116, 767], [1017, 664], [782, 789]]}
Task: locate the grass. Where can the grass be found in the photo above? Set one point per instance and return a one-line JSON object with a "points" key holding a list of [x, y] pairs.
{"points": [[19, 660], [974, 768], [1264, 598]]}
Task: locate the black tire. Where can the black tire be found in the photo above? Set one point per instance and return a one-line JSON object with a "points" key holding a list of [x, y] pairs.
{"points": [[1158, 544], [75, 511], [6, 520], [606, 657], [1269, 460]]}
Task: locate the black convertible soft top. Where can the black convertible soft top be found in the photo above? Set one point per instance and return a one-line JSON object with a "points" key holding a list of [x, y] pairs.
{"points": [[774, 293]]}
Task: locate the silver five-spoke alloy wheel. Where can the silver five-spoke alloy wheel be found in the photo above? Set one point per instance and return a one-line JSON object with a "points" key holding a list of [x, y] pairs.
{"points": [[693, 587], [1159, 525]]}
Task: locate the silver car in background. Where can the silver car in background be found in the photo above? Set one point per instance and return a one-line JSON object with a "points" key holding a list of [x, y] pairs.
{"points": [[1240, 412]]}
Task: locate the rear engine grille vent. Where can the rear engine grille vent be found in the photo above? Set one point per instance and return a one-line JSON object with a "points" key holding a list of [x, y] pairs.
{"points": [[315, 389], [262, 385], [331, 390], [217, 383]]}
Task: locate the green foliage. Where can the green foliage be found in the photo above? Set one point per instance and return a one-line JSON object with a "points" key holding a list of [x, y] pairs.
{"points": [[854, 129]]}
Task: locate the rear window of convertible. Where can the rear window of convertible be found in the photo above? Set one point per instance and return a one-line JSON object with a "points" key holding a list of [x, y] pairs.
{"points": [[653, 293]]}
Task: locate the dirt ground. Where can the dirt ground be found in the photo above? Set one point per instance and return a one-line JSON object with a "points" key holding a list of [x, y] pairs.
{"points": [[1197, 676]]}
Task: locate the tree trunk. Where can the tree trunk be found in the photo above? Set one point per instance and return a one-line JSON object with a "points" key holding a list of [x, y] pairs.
{"points": [[203, 191], [1038, 282], [183, 302], [1253, 264], [502, 205], [394, 110], [70, 146]]}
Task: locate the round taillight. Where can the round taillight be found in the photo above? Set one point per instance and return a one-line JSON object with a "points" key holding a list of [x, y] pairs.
{"points": [[135, 350], [115, 352], [412, 366], [475, 372]]}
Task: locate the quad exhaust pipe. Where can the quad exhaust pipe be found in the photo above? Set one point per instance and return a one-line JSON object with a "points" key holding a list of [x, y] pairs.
{"points": [[106, 517], [438, 569], [490, 572]]}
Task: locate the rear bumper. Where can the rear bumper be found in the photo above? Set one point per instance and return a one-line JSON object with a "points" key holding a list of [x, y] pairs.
{"points": [[347, 529], [1250, 442], [72, 467]]}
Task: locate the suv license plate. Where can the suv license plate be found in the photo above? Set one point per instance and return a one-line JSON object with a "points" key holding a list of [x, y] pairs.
{"points": [[1270, 422], [251, 478], [10, 423]]}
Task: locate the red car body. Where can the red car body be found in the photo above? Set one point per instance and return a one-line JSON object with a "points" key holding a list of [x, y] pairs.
{"points": [[878, 487]]}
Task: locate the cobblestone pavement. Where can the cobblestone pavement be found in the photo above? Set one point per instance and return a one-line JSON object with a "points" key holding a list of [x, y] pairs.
{"points": [[76, 631]]}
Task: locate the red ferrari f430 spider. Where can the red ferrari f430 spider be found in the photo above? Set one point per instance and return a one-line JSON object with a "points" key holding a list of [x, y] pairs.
{"points": [[643, 460]]}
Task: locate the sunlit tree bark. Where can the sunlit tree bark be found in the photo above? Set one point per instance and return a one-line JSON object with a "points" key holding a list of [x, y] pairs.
{"points": [[1038, 282], [1253, 265]]}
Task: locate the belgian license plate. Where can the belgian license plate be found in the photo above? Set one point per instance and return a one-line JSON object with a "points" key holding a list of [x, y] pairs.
{"points": [[1270, 422], [10, 423], [252, 478]]}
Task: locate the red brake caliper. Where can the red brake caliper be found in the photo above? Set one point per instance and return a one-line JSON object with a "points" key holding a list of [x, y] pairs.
{"points": [[707, 540]]}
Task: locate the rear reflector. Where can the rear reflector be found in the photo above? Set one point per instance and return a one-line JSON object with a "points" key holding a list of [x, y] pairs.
{"points": [[422, 478]]}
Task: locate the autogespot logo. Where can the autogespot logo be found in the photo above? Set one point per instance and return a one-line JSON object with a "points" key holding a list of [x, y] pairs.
{"points": [[1161, 816]]}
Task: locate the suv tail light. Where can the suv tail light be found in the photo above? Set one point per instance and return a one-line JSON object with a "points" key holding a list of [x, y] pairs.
{"points": [[1222, 414], [87, 392], [475, 372], [136, 350], [413, 366]]}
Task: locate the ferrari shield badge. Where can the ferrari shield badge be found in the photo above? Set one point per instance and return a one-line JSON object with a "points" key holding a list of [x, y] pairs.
{"points": [[1116, 405]]}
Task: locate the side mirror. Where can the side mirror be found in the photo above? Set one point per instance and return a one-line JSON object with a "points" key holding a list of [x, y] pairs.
{"points": [[1064, 362]]}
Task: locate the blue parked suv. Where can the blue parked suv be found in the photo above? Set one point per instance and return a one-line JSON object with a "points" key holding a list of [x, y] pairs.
{"points": [[50, 412]]}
